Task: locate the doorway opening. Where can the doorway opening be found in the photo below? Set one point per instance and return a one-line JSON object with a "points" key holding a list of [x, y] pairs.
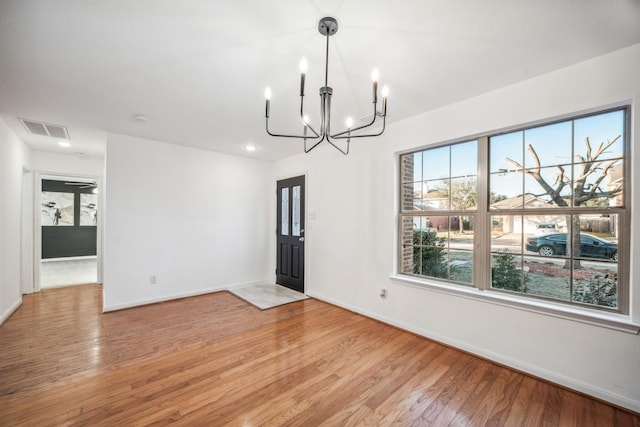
{"points": [[69, 231], [290, 233]]}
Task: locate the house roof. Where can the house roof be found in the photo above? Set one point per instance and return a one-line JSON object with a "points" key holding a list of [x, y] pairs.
{"points": [[517, 202]]}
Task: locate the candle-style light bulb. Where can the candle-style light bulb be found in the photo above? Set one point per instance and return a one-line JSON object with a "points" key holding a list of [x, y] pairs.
{"points": [[374, 76], [267, 96], [349, 122], [385, 95], [305, 120], [303, 71]]}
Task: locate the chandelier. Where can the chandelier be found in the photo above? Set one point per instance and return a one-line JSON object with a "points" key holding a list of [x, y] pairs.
{"points": [[327, 27]]}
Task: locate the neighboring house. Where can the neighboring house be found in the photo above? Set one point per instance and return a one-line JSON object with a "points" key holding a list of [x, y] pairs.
{"points": [[528, 223], [433, 199], [429, 199]]}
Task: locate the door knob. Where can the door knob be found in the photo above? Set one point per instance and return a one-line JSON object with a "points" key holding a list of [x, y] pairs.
{"points": [[301, 239]]}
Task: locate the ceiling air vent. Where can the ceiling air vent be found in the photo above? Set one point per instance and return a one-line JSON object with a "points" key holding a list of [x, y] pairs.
{"points": [[44, 129]]}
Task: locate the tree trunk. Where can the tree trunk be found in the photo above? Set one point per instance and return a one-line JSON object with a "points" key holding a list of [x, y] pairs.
{"points": [[573, 242]]}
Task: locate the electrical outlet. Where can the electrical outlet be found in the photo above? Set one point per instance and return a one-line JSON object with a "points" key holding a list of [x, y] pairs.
{"points": [[383, 293], [153, 280]]}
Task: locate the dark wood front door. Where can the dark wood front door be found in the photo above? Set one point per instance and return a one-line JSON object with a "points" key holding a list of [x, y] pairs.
{"points": [[290, 233]]}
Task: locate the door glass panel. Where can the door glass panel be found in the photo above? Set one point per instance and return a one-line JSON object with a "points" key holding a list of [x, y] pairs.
{"points": [[284, 221], [295, 220]]}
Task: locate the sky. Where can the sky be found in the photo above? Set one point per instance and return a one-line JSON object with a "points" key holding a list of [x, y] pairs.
{"points": [[555, 144]]}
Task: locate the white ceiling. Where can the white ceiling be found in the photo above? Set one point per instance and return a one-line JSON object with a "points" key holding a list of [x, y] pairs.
{"points": [[198, 68]]}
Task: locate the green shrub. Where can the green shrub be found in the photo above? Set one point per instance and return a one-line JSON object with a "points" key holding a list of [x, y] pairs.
{"points": [[505, 275], [601, 289], [429, 254]]}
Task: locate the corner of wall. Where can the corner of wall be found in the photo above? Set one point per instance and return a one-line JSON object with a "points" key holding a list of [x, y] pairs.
{"points": [[14, 157], [4, 316]]}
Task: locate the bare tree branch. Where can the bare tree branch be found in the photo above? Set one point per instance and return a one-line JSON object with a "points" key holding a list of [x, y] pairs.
{"points": [[517, 165], [588, 166], [603, 147], [536, 159]]}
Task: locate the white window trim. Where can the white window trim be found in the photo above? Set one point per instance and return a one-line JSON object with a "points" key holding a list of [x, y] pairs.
{"points": [[622, 322], [615, 321]]}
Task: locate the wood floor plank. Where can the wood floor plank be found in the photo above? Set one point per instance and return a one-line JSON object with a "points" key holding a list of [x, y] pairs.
{"points": [[455, 392], [338, 361], [535, 409], [407, 403], [386, 380], [518, 410], [569, 410], [493, 408], [216, 360]]}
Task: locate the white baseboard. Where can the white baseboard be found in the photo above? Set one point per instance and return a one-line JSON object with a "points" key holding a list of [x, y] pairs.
{"points": [[554, 377], [10, 311], [168, 297]]}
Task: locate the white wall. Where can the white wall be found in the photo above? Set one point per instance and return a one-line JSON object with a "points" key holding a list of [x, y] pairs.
{"points": [[67, 164], [350, 245], [14, 156], [193, 218]]}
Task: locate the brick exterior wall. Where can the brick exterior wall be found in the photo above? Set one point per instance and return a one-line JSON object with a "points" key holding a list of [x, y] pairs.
{"points": [[406, 201]]}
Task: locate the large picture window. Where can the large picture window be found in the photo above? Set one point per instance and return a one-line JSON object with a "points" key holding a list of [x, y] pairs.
{"points": [[538, 212]]}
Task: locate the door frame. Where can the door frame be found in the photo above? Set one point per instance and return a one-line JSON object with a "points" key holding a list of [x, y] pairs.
{"points": [[26, 233], [37, 223], [274, 222]]}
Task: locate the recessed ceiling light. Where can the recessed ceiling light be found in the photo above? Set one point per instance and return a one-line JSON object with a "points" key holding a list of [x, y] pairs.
{"points": [[141, 118], [250, 147], [64, 144]]}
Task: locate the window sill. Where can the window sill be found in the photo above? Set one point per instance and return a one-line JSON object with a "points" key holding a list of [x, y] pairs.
{"points": [[614, 321]]}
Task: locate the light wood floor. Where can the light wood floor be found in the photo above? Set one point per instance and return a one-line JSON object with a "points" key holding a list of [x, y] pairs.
{"points": [[216, 360]]}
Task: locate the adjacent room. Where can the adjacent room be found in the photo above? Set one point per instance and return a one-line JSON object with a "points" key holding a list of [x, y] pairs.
{"points": [[312, 212]]}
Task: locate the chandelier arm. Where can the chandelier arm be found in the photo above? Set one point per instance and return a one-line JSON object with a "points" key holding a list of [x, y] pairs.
{"points": [[317, 135], [373, 120], [306, 150], [340, 134], [366, 135], [328, 138], [302, 117], [290, 136]]}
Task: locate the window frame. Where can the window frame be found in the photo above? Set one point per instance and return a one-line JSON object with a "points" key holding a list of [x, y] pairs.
{"points": [[481, 284], [442, 212]]}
